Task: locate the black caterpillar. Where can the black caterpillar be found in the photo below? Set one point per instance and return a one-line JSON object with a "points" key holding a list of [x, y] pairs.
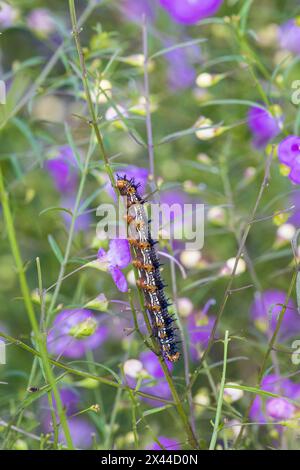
{"points": [[148, 265]]}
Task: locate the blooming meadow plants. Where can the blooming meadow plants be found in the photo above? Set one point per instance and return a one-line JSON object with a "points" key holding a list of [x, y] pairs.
{"points": [[189, 102]]}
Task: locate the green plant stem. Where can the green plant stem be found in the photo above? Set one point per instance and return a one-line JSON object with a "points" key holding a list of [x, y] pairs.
{"points": [[238, 257], [80, 373], [40, 340], [70, 239], [267, 355], [178, 403], [214, 436], [33, 90], [94, 125]]}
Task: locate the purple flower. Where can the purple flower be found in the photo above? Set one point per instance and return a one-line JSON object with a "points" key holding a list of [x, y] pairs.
{"points": [[266, 308], [41, 21], [294, 175], [263, 126], [135, 9], [8, 15], [295, 217], [118, 257], [156, 384], [63, 171], [279, 408], [199, 327], [70, 400], [289, 36], [82, 222], [152, 365], [191, 11], [140, 175], [74, 332], [166, 442], [181, 73], [275, 408], [82, 432], [289, 150]]}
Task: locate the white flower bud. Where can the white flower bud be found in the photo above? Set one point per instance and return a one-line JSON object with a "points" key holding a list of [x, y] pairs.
{"points": [[133, 368], [185, 307]]}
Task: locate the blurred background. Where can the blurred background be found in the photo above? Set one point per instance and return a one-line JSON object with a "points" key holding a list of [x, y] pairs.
{"points": [[223, 78]]}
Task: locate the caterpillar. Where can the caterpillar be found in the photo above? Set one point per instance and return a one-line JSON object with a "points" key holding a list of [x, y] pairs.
{"points": [[148, 266]]}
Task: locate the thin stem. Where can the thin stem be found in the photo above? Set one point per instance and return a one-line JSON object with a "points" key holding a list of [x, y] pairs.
{"points": [[30, 310], [238, 257], [94, 125], [183, 341], [70, 238], [81, 373], [47, 69], [178, 403], [267, 355], [147, 101], [214, 436]]}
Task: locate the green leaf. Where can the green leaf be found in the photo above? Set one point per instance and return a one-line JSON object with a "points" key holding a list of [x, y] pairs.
{"points": [[101, 366], [26, 131], [177, 46], [156, 410], [16, 91], [55, 249], [257, 391], [233, 102], [244, 13], [184, 133], [54, 208]]}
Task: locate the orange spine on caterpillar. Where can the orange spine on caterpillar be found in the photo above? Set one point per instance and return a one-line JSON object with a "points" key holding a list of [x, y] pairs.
{"points": [[148, 266]]}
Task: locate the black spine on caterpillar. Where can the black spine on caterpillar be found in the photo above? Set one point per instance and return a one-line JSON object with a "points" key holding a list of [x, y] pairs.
{"points": [[148, 265]]}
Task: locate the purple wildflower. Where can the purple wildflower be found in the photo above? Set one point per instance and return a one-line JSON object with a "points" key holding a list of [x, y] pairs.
{"points": [[118, 257], [41, 21], [190, 11], [62, 170], [8, 15], [82, 432], [266, 308], [70, 400], [289, 150], [279, 408], [294, 175], [289, 36], [135, 9], [263, 126], [295, 217], [156, 384], [74, 332], [199, 326], [166, 442], [275, 408], [82, 222], [140, 175], [181, 73]]}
